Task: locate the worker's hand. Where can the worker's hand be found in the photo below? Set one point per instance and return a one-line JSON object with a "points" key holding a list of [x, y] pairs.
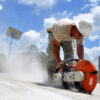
{"points": [[60, 66]]}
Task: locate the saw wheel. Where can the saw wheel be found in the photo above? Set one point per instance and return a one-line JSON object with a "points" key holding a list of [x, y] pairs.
{"points": [[79, 87]]}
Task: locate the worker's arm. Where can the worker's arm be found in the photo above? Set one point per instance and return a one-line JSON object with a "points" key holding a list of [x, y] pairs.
{"points": [[80, 51], [56, 50]]}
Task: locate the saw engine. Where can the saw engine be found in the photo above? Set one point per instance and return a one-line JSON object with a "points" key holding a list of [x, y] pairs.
{"points": [[83, 75]]}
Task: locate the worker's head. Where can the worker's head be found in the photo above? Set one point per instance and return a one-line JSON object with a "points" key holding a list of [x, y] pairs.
{"points": [[84, 26]]}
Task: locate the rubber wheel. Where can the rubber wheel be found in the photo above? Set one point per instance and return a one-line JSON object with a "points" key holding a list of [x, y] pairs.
{"points": [[65, 85], [79, 87]]}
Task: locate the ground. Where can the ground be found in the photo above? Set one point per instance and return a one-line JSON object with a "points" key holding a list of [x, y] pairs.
{"points": [[11, 89]]}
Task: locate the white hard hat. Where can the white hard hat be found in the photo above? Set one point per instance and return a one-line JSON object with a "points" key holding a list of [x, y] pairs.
{"points": [[84, 26]]}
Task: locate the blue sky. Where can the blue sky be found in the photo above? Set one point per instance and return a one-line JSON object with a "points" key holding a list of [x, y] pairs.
{"points": [[24, 17], [33, 17]]}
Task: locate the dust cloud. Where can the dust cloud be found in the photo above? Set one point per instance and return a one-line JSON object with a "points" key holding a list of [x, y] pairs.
{"points": [[26, 68]]}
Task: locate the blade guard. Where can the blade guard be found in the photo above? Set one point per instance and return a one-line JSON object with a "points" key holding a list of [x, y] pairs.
{"points": [[91, 77]]}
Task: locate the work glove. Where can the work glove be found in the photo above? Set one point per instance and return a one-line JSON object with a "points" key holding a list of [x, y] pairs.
{"points": [[60, 66]]}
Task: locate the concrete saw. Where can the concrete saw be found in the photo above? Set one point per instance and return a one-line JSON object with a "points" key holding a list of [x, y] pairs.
{"points": [[83, 75]]}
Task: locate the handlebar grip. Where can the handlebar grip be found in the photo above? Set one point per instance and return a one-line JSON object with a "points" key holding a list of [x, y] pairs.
{"points": [[65, 67], [68, 60]]}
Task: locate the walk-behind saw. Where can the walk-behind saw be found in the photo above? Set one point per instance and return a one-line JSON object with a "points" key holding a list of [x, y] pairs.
{"points": [[83, 75]]}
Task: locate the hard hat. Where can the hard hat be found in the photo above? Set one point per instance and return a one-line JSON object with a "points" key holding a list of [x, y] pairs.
{"points": [[84, 26], [49, 30]]}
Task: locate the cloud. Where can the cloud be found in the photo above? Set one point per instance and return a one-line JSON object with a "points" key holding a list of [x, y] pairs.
{"points": [[68, 0], [39, 39], [93, 38], [85, 6], [91, 3], [48, 22], [94, 16], [1, 7], [88, 16], [92, 54], [44, 3], [64, 14], [94, 2], [29, 38], [32, 37]]}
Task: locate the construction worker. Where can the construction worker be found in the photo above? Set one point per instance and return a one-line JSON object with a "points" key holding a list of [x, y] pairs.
{"points": [[65, 31]]}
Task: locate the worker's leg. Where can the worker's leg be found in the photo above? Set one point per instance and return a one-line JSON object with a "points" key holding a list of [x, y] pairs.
{"points": [[51, 66], [68, 50]]}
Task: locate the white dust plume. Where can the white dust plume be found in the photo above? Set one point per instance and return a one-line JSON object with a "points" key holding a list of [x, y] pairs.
{"points": [[25, 68]]}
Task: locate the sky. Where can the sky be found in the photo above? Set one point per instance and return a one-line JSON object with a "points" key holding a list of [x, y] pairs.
{"points": [[33, 17]]}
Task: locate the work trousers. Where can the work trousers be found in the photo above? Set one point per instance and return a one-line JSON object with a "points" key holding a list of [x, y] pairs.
{"points": [[67, 47]]}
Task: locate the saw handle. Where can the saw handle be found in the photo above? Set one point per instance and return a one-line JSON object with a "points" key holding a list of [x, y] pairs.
{"points": [[71, 59], [65, 64], [65, 67]]}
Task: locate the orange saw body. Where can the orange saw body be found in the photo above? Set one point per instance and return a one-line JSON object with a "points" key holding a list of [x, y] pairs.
{"points": [[91, 77], [83, 75]]}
